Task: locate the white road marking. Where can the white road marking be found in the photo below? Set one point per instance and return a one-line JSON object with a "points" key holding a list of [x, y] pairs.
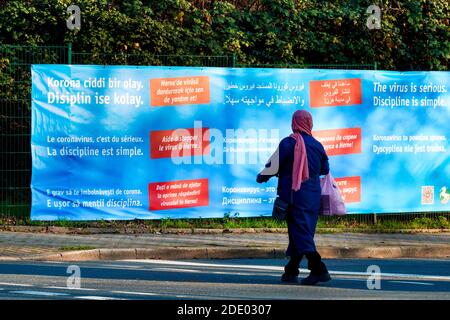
{"points": [[15, 284], [45, 293], [137, 293], [394, 275], [68, 288], [413, 282], [41, 293], [107, 266], [119, 266], [96, 298], [215, 272], [199, 264], [347, 279], [177, 270], [168, 294], [281, 269]]}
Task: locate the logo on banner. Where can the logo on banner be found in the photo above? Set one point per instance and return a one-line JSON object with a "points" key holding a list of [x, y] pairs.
{"points": [[444, 195], [427, 194]]}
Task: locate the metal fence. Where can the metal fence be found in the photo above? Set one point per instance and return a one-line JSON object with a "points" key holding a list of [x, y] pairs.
{"points": [[15, 111], [15, 122], [15, 107], [363, 66]]}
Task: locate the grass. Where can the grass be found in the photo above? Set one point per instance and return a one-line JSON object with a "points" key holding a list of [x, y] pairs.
{"points": [[427, 223], [218, 223], [350, 223], [76, 248], [253, 223], [439, 222]]}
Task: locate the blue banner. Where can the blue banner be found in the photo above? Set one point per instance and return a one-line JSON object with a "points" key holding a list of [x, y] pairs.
{"points": [[122, 142]]}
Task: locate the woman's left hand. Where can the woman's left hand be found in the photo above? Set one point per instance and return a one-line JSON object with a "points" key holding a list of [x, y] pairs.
{"points": [[260, 178]]}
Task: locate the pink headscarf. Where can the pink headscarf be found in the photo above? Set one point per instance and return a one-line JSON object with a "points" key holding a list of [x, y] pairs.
{"points": [[301, 122]]}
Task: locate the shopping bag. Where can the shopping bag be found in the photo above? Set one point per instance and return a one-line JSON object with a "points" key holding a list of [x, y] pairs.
{"points": [[331, 202]]}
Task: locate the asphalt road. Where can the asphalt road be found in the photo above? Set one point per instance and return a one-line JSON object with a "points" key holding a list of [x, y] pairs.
{"points": [[222, 279]]}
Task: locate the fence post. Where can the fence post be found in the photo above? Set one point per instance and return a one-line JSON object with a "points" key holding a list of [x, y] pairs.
{"points": [[69, 53], [234, 60], [375, 65]]}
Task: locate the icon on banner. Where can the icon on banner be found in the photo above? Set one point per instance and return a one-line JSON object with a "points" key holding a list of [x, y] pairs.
{"points": [[444, 195], [427, 194]]}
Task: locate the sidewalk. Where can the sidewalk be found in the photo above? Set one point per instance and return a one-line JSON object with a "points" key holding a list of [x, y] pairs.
{"points": [[204, 245]]}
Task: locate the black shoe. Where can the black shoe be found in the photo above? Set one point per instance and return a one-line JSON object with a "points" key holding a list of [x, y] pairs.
{"points": [[289, 278], [314, 279]]}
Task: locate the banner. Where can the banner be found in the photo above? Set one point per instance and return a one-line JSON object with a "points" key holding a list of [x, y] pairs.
{"points": [[123, 142]]}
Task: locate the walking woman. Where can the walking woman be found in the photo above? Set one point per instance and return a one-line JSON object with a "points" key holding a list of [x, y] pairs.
{"points": [[298, 162]]}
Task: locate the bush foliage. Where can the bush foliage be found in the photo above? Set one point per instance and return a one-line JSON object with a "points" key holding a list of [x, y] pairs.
{"points": [[414, 34]]}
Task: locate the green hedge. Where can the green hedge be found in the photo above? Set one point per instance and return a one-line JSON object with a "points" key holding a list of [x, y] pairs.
{"points": [[414, 34]]}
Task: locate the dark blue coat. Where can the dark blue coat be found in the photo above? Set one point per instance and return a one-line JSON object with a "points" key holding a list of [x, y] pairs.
{"points": [[306, 201]]}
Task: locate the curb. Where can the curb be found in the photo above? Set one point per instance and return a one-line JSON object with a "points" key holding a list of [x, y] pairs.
{"points": [[404, 252], [86, 231], [158, 253]]}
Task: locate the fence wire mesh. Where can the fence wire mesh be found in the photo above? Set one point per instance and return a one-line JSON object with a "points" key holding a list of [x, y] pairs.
{"points": [[15, 114], [15, 107], [15, 122]]}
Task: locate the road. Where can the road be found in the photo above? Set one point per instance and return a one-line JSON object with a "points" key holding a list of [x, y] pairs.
{"points": [[221, 279]]}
